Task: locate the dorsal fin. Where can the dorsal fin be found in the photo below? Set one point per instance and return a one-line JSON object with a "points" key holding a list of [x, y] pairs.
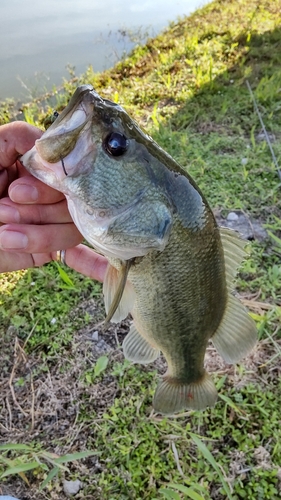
{"points": [[237, 332], [234, 253]]}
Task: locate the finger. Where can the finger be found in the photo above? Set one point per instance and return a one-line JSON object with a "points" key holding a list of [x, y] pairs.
{"points": [[14, 261], [86, 261], [28, 189], [33, 214], [15, 139], [7, 176], [3, 181], [80, 258], [38, 239]]}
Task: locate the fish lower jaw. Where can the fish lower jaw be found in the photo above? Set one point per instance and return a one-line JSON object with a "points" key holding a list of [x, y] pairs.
{"points": [[42, 170], [112, 250]]}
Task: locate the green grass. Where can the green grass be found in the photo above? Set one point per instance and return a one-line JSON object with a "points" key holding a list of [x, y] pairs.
{"points": [[39, 298], [188, 89]]}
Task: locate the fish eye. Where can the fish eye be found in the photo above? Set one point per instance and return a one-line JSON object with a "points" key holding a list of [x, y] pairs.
{"points": [[116, 144]]}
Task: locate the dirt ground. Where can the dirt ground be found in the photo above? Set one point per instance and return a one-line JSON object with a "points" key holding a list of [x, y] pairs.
{"points": [[46, 402]]}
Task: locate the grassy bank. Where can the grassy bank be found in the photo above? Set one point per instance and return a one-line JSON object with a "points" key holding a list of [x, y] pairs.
{"points": [[63, 392]]}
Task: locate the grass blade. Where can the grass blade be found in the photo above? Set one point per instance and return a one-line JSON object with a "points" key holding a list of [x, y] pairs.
{"points": [[49, 477], [232, 405], [101, 365], [264, 129], [170, 494], [188, 491], [64, 276], [17, 469], [15, 446], [275, 238], [70, 457], [208, 455]]}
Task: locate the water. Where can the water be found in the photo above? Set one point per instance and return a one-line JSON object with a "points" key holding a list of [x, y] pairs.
{"points": [[39, 39]]}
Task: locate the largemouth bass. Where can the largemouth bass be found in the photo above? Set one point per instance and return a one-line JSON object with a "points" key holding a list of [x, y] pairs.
{"points": [[170, 265]]}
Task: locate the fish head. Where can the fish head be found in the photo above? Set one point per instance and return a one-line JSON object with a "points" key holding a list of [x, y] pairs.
{"points": [[99, 158]]}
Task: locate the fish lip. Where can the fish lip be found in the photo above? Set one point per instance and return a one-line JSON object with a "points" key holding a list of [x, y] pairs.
{"points": [[78, 112], [77, 120], [60, 139]]}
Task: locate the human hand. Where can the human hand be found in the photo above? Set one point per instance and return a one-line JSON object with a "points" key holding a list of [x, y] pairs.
{"points": [[34, 219]]}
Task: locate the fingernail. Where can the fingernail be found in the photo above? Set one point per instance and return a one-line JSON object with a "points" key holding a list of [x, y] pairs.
{"points": [[23, 193], [9, 214], [12, 240]]}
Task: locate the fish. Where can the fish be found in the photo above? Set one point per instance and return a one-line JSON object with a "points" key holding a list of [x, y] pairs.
{"points": [[169, 264]]}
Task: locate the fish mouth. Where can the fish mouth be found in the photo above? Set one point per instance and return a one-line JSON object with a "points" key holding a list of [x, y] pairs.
{"points": [[75, 104], [61, 137], [66, 146]]}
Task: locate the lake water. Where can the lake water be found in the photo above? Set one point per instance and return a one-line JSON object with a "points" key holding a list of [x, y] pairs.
{"points": [[39, 39]]}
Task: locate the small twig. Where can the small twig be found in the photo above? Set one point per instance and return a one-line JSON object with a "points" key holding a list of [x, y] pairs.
{"points": [[17, 346], [250, 296], [253, 304], [9, 411], [5, 428], [264, 130], [72, 438], [13, 392], [32, 402], [176, 455], [29, 335]]}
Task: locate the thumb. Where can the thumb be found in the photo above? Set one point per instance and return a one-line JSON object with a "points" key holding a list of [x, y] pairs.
{"points": [[15, 139]]}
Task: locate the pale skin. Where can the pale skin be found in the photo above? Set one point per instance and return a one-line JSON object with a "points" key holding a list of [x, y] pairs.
{"points": [[34, 219]]}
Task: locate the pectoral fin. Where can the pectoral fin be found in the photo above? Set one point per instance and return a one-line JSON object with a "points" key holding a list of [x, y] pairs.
{"points": [[237, 332], [118, 293], [137, 349]]}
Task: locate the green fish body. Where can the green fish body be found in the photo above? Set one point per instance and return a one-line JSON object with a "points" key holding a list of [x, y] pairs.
{"points": [[170, 265]]}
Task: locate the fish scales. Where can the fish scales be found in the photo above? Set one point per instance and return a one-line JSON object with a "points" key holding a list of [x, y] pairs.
{"points": [[173, 282], [170, 265]]}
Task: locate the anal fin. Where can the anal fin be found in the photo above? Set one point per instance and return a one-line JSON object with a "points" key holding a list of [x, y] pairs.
{"points": [[173, 395], [137, 349], [237, 332]]}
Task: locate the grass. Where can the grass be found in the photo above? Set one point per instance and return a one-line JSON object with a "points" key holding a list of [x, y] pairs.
{"points": [[62, 392]]}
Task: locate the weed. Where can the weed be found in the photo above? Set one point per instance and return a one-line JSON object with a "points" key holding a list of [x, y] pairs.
{"points": [[33, 459]]}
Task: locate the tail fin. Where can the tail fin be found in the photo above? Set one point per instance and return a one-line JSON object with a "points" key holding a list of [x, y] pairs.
{"points": [[173, 395]]}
